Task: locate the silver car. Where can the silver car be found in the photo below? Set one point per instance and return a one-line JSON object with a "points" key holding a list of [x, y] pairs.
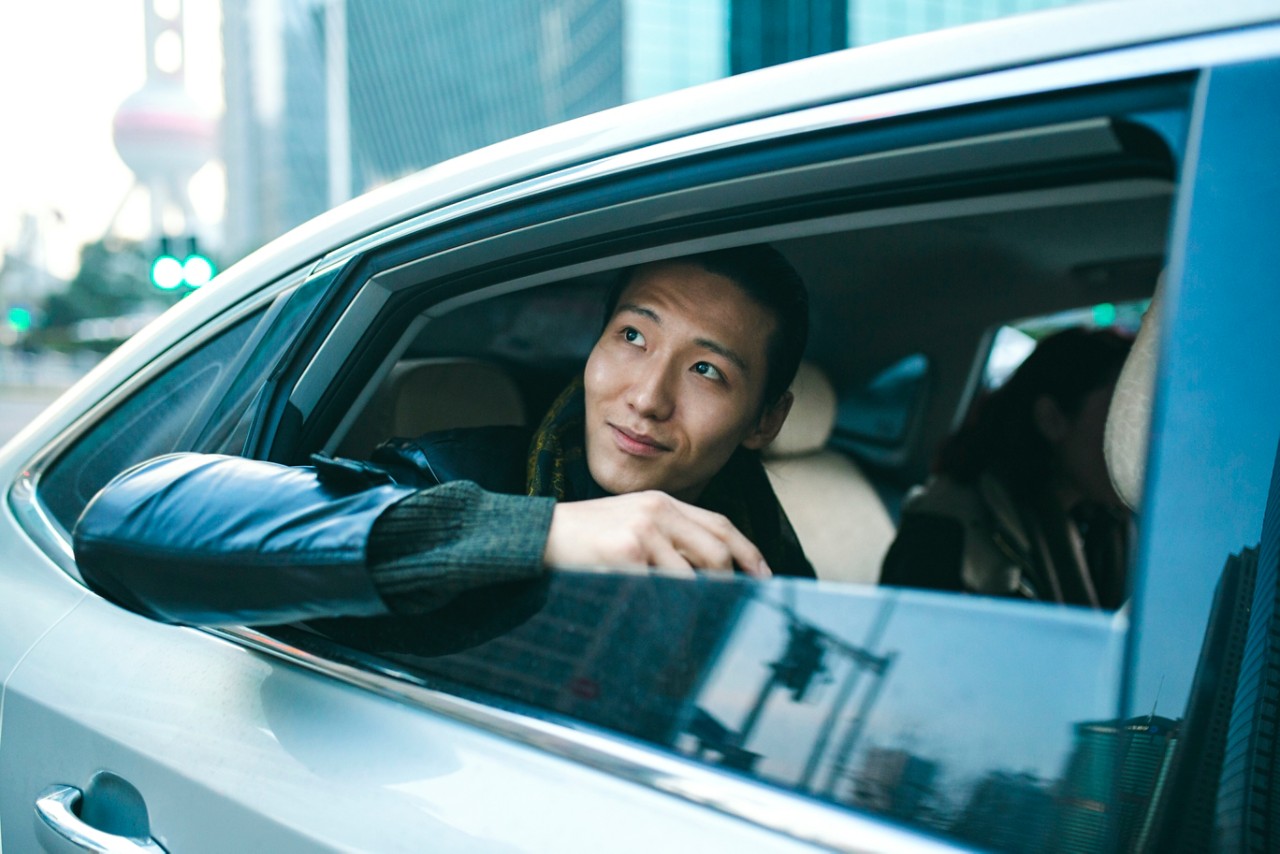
{"points": [[945, 197]]}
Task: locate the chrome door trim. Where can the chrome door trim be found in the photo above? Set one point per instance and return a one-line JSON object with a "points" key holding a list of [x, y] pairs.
{"points": [[756, 803], [55, 807]]}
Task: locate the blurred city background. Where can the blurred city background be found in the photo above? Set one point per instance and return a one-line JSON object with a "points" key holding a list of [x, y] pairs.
{"points": [[152, 143]]}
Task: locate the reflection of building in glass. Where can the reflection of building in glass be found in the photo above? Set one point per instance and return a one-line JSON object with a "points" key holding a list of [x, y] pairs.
{"points": [[1186, 803], [1110, 781], [895, 783], [1007, 812], [627, 655], [1248, 805]]}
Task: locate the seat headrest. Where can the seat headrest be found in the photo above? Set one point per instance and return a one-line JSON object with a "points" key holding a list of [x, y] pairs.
{"points": [[812, 418], [1129, 418], [423, 395]]}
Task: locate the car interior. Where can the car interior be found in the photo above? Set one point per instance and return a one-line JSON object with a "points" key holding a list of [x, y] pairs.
{"points": [[906, 301]]}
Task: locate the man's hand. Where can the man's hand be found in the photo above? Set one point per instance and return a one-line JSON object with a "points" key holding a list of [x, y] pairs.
{"points": [[648, 529]]}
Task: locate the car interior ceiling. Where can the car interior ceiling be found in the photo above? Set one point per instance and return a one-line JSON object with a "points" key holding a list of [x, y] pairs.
{"points": [[934, 283]]}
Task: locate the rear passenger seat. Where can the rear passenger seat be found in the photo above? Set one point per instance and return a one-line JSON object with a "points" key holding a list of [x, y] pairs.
{"points": [[840, 520], [422, 395]]}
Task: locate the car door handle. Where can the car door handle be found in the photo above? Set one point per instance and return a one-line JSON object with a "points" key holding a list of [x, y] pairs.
{"points": [[65, 831]]}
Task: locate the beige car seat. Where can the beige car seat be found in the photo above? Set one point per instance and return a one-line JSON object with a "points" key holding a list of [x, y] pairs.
{"points": [[1128, 427], [422, 395], [840, 520]]}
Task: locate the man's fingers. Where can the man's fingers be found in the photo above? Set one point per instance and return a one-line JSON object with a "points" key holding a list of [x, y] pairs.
{"points": [[648, 528], [710, 541], [666, 559]]}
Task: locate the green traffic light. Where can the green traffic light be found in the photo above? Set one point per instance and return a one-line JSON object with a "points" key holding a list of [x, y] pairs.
{"points": [[166, 272], [197, 270], [170, 270]]}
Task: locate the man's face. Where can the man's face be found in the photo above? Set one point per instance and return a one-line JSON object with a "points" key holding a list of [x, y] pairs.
{"points": [[676, 382]]}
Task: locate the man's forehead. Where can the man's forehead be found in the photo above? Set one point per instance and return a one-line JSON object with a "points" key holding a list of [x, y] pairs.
{"points": [[722, 316]]}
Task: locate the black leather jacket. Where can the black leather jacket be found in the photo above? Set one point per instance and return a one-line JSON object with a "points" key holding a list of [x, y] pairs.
{"points": [[239, 541], [207, 539]]}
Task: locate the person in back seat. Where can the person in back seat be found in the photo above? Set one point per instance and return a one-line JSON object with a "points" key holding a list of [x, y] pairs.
{"points": [[1020, 502], [649, 459]]}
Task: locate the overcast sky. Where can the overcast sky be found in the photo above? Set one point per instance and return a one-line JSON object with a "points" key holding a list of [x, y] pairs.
{"points": [[65, 66]]}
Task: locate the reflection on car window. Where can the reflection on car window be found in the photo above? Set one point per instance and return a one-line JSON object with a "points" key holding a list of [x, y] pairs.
{"points": [[149, 423], [913, 705]]}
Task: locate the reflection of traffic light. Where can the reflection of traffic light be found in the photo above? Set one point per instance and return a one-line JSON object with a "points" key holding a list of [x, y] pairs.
{"points": [[19, 319], [802, 660], [171, 269]]}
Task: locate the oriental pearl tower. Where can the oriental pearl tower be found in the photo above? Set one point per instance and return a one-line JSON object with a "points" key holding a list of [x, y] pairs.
{"points": [[162, 134]]}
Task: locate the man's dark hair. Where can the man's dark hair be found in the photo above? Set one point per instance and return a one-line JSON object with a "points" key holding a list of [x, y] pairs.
{"points": [[763, 274]]}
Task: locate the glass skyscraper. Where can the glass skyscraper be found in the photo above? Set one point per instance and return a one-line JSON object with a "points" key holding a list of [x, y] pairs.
{"points": [[425, 81]]}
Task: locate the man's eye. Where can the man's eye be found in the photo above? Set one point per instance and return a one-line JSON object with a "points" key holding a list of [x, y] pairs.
{"points": [[632, 336], [708, 370]]}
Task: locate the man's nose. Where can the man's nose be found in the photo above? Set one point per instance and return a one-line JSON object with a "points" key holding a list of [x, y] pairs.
{"points": [[652, 394]]}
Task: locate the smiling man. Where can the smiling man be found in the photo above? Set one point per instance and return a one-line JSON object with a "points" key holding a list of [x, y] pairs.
{"points": [[650, 459]]}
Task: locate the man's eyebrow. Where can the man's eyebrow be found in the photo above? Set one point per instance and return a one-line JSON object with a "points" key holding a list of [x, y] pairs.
{"points": [[640, 310]]}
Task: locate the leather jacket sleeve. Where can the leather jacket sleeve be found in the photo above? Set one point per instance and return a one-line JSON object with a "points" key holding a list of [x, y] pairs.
{"points": [[216, 540]]}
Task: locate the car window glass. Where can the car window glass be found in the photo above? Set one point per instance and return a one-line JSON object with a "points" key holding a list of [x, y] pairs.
{"points": [[880, 411], [849, 694], [149, 423], [1013, 342]]}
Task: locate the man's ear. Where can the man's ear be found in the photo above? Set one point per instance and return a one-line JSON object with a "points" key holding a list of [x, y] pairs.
{"points": [[1050, 420], [769, 424]]}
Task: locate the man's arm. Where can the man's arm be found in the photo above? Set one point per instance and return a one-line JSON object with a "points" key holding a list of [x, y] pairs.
{"points": [[201, 539], [213, 540]]}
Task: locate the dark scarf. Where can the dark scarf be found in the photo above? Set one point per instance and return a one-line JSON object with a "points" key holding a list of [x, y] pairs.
{"points": [[740, 491]]}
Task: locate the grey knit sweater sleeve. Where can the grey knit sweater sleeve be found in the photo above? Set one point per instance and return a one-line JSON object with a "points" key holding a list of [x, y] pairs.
{"points": [[437, 543]]}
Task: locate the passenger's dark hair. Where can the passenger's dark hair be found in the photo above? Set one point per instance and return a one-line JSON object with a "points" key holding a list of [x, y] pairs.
{"points": [[763, 274], [1001, 433]]}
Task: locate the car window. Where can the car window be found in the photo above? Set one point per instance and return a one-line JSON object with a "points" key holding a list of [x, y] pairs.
{"points": [[1013, 342], [880, 412], [152, 421]]}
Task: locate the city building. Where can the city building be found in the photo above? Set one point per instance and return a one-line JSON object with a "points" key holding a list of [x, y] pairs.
{"points": [[1185, 800], [326, 99]]}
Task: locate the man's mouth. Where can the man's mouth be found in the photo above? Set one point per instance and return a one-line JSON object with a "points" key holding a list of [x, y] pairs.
{"points": [[637, 444]]}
